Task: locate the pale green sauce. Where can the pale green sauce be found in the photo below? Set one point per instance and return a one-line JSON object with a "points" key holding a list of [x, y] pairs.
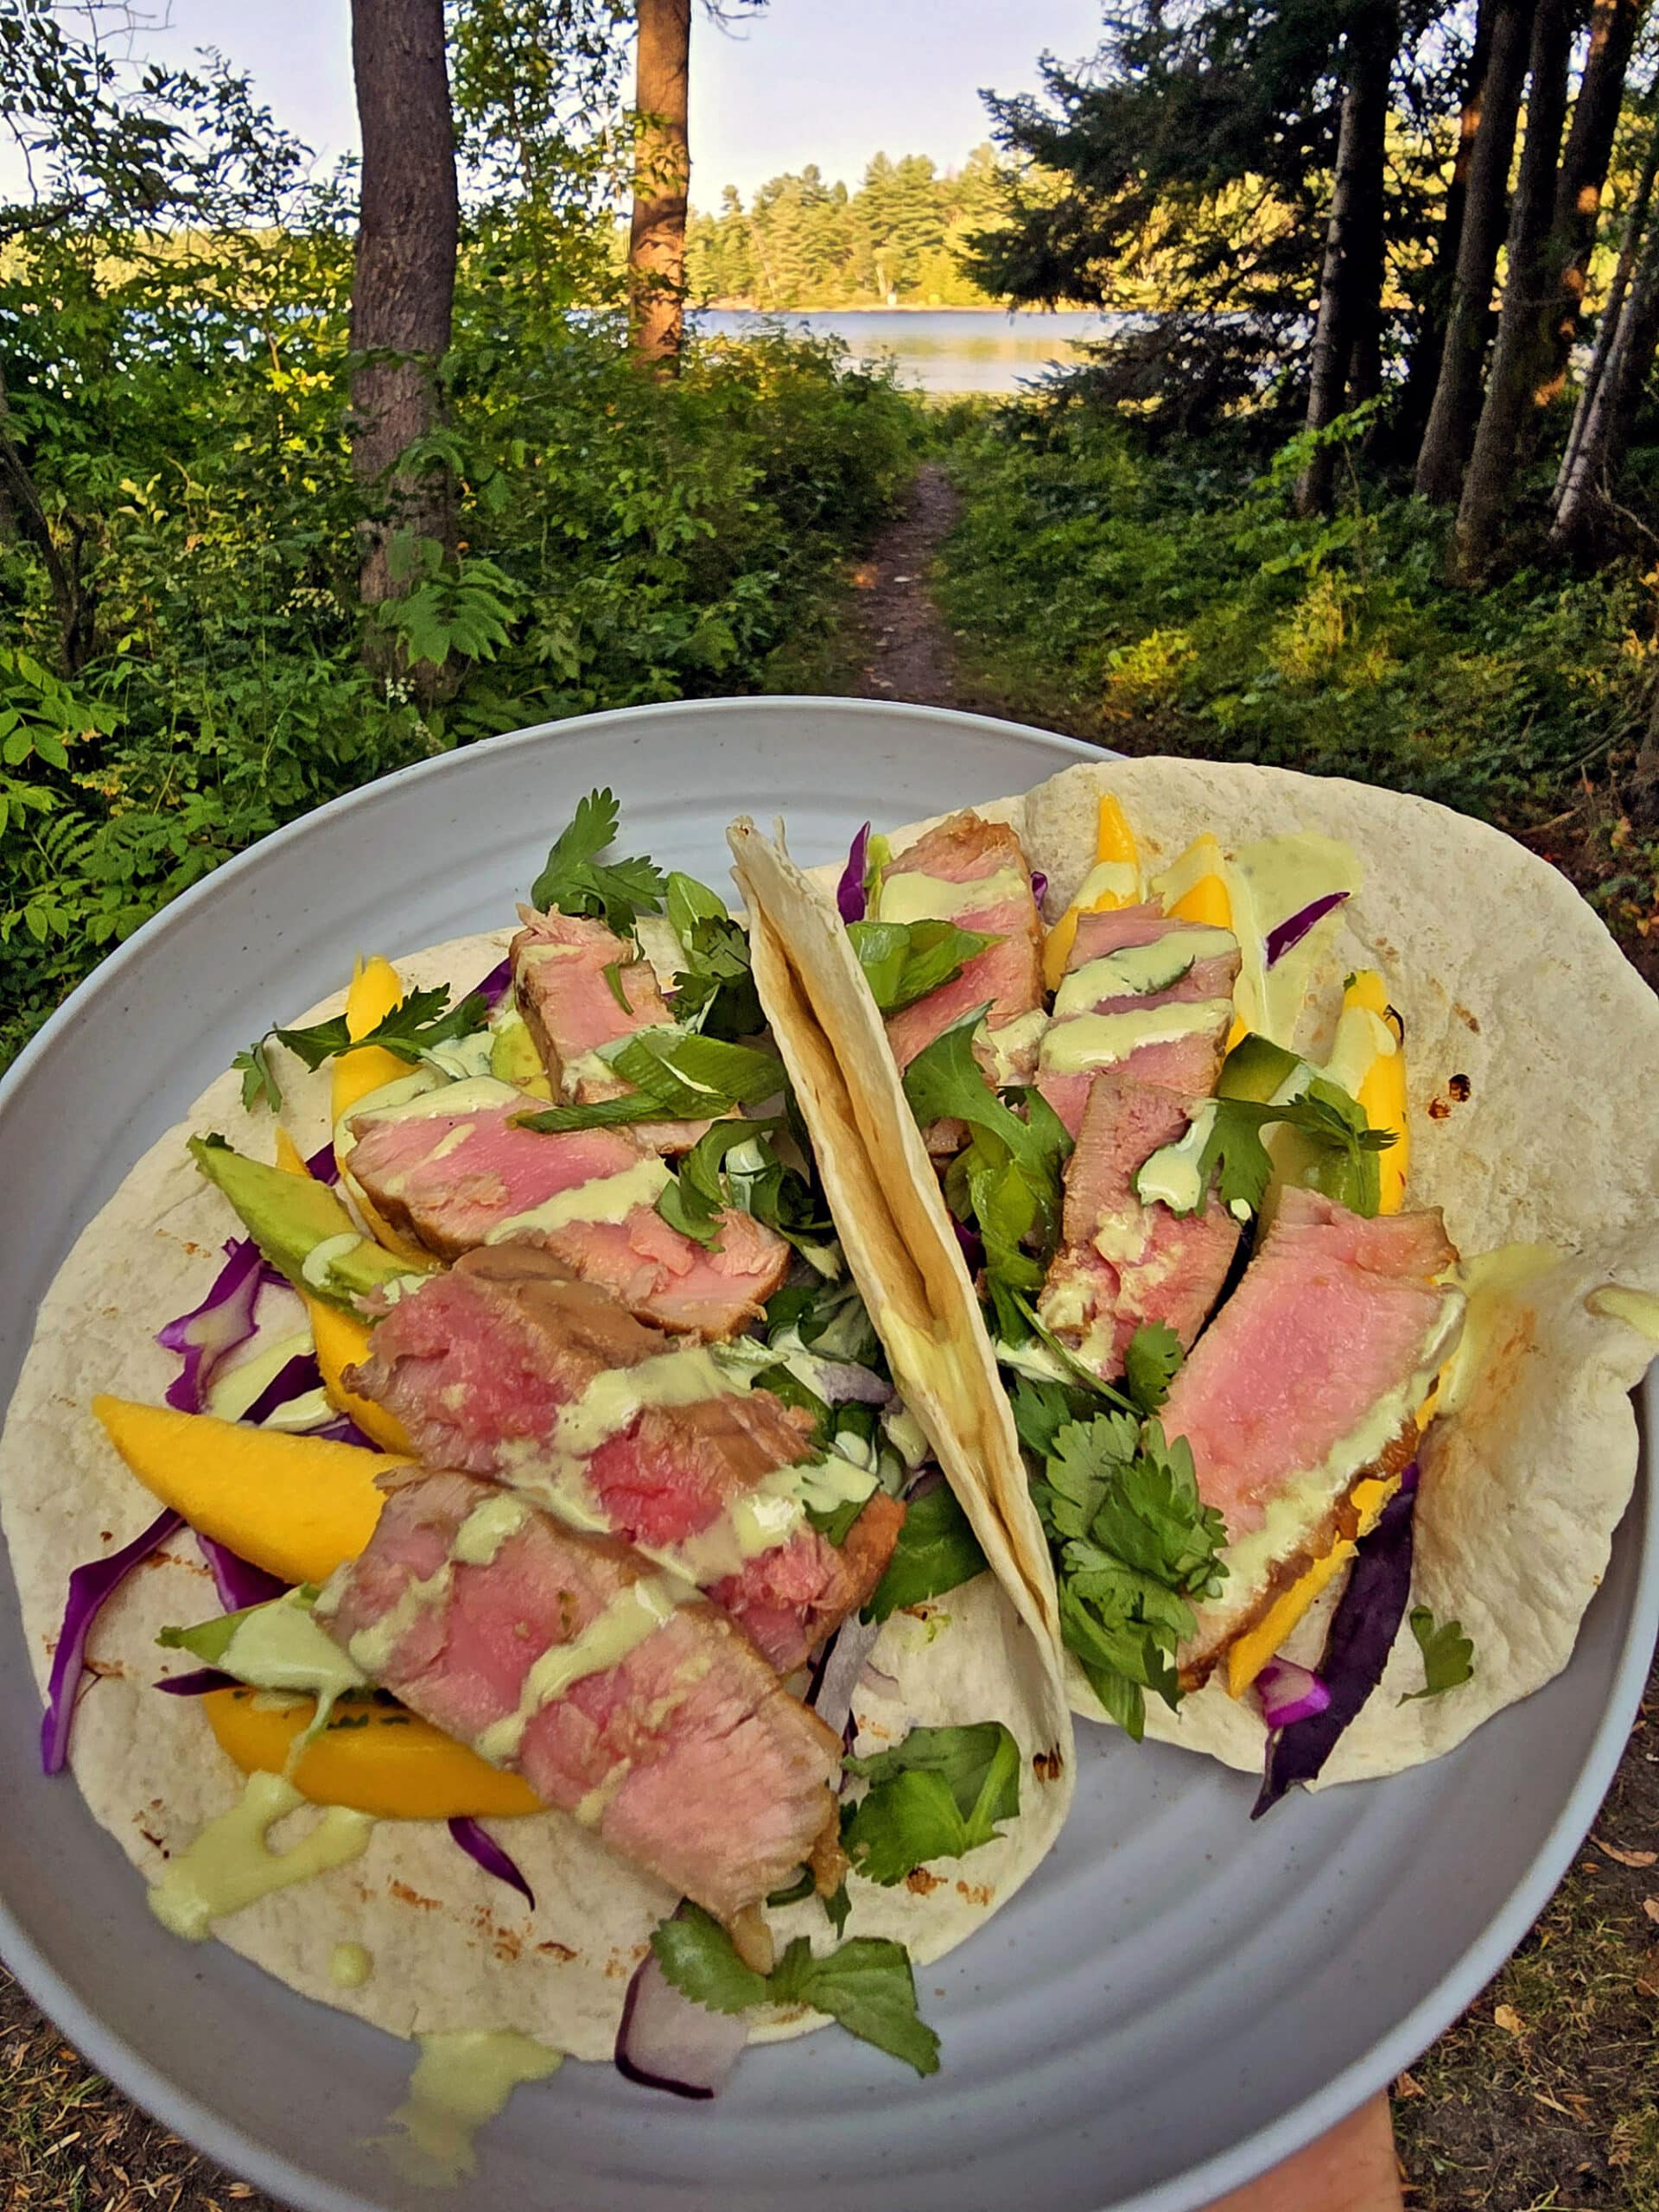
{"points": [[318, 1262], [909, 896], [1006, 1044], [1267, 882], [396, 1093], [371, 1648], [1361, 1038], [473, 1094], [464, 1058], [1170, 1176], [237, 1388], [486, 1528], [611, 1400], [1137, 970], [607, 1198], [1637, 1309], [460, 2081], [1118, 879], [230, 1863], [1093, 1041], [349, 1965], [1492, 1283], [280, 1647], [632, 1616]]}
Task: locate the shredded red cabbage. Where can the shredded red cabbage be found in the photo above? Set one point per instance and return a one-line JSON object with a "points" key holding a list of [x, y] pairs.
{"points": [[1362, 1634], [323, 1166], [849, 892], [90, 1587], [197, 1682], [1038, 885], [224, 1319], [495, 982], [292, 1380], [1289, 1693], [1296, 926], [479, 1844], [973, 1250], [343, 1430], [237, 1582]]}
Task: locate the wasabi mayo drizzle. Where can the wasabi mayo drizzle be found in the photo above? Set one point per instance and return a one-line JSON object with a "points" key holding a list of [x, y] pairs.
{"points": [[1117, 879], [460, 2081], [280, 1647], [1637, 1309], [910, 896], [605, 1198], [1095, 1040], [1135, 970], [1267, 883], [349, 1965], [632, 1616], [230, 1863]]}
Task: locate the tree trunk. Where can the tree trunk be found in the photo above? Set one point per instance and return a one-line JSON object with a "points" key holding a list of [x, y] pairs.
{"points": [[1635, 224], [1422, 372], [1451, 430], [1584, 173], [1348, 332], [403, 284], [22, 516], [1520, 358], [662, 181], [1611, 396]]}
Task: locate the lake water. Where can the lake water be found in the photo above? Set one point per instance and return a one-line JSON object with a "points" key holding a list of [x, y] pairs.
{"points": [[939, 349]]}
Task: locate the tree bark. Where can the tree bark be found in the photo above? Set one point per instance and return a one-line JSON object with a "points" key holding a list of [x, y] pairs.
{"points": [[404, 283], [1613, 390], [1422, 372], [1569, 475], [1451, 430], [22, 516], [1520, 358], [1584, 173], [1347, 335], [661, 183]]}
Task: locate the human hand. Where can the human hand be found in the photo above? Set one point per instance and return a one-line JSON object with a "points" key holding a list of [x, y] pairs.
{"points": [[1351, 2170]]}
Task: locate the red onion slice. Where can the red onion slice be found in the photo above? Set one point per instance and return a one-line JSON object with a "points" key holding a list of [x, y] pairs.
{"points": [[1038, 885], [849, 892], [1296, 926], [1289, 1693], [842, 1383], [481, 1847], [839, 1670], [90, 1587], [666, 2040]]}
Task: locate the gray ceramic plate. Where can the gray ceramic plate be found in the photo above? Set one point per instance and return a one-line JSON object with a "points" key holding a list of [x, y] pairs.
{"points": [[1173, 2003]]}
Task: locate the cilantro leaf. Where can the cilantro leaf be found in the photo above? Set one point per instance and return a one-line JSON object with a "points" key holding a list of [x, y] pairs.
{"points": [[867, 1984], [259, 1077], [417, 1022], [1150, 1361], [714, 991], [1042, 1410], [936, 1551], [838, 1908], [902, 962], [1332, 1148], [1133, 1544], [798, 1892], [574, 881], [940, 1793], [735, 1167], [1448, 1654]]}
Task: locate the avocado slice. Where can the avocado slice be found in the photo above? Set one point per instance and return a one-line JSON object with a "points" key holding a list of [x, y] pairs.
{"points": [[289, 1216], [513, 1055], [1254, 1069]]}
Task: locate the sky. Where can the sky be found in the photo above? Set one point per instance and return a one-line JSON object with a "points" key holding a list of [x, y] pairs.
{"points": [[830, 82]]}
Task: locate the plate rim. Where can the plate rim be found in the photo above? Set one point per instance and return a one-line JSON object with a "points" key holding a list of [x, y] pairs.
{"points": [[162, 2099]]}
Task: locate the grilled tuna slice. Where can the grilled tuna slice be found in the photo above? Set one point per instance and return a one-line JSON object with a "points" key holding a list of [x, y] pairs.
{"points": [[454, 1182], [505, 1368], [1122, 1264], [563, 966], [933, 878], [1308, 1379], [1161, 1015], [620, 1696]]}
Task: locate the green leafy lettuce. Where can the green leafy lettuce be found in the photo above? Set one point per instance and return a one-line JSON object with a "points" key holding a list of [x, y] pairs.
{"points": [[940, 1793], [715, 991], [902, 962], [936, 1551]]}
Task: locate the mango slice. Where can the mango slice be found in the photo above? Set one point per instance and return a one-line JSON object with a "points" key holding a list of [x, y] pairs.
{"points": [[1382, 1094], [298, 1506], [342, 1341], [375, 1758], [376, 988], [1114, 845], [1250, 1653], [289, 1158]]}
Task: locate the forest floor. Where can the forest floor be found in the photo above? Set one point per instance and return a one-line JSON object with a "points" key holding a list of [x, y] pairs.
{"points": [[1543, 2098]]}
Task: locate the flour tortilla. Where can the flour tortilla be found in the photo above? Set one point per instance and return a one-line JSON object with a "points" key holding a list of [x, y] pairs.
{"points": [[1533, 1064], [453, 1949]]}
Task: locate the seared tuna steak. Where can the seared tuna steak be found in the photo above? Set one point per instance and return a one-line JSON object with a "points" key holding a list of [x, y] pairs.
{"points": [[503, 1368], [935, 878], [620, 1696], [1122, 1264], [1161, 1016], [586, 1195]]}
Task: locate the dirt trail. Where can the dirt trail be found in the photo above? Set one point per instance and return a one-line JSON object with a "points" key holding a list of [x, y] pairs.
{"points": [[899, 646]]}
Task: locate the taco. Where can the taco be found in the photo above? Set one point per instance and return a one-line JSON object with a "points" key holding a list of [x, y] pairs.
{"points": [[596, 1635], [1285, 1149]]}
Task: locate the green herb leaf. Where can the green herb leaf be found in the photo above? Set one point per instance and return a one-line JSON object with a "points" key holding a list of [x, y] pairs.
{"points": [[1448, 1654], [798, 1890], [936, 1551], [867, 1985], [414, 1025], [1151, 1359], [612, 973], [940, 1793], [1334, 1148], [902, 962], [677, 1076], [838, 1908], [714, 991], [575, 882], [259, 1077]]}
